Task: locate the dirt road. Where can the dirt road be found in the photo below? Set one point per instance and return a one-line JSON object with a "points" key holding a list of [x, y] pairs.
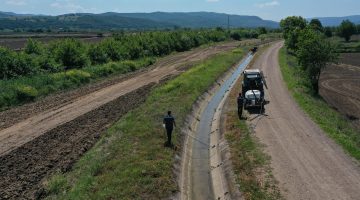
{"points": [[307, 164], [50, 135]]}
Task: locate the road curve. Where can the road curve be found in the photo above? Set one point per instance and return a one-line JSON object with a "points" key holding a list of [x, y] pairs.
{"points": [[307, 164]]}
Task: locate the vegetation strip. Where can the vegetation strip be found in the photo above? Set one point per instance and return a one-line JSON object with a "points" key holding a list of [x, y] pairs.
{"points": [[130, 162], [336, 126], [250, 164], [42, 69], [18, 91]]}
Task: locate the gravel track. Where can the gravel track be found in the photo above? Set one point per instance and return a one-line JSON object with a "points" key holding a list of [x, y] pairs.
{"points": [[307, 164]]}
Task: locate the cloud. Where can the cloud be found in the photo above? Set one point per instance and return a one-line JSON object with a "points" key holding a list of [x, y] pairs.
{"points": [[16, 2], [267, 4], [68, 6]]}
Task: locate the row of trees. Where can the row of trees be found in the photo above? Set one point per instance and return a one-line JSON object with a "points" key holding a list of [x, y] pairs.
{"points": [[345, 30], [73, 54], [70, 53], [307, 41]]}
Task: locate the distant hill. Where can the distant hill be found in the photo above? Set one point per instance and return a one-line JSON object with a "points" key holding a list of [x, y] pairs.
{"points": [[202, 19], [11, 14], [109, 21], [336, 21]]}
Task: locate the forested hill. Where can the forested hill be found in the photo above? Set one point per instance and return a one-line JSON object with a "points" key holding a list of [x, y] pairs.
{"points": [[134, 21], [336, 21], [202, 19]]}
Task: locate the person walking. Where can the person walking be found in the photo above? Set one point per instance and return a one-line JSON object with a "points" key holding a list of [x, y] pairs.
{"points": [[240, 102], [169, 123]]}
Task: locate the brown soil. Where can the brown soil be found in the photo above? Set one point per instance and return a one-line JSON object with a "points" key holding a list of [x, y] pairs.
{"points": [[350, 59], [23, 169], [307, 164], [44, 137], [340, 87]]}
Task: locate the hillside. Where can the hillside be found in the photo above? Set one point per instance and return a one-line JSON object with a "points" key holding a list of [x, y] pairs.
{"points": [[336, 21], [201, 19], [132, 21]]}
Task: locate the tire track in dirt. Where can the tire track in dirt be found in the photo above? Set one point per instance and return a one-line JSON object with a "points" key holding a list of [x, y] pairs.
{"points": [[307, 164], [343, 87], [340, 88]]}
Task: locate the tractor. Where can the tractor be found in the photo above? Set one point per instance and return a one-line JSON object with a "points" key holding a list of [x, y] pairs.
{"points": [[253, 89]]}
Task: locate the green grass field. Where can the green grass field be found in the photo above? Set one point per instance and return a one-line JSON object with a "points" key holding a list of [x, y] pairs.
{"points": [[336, 126], [130, 162]]}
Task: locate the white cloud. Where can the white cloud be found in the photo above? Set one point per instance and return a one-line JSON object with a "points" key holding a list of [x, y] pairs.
{"points": [[68, 6], [16, 2], [267, 4]]}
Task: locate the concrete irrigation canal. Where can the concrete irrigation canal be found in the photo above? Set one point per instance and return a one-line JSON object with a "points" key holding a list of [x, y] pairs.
{"points": [[203, 176]]}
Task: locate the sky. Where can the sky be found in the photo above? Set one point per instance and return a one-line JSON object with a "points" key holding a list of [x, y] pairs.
{"points": [[266, 9]]}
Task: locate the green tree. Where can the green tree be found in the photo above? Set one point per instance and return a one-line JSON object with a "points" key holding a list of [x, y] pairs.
{"points": [[262, 30], [328, 32], [97, 54], [71, 53], [358, 29], [292, 27], [314, 53], [316, 25], [33, 47], [114, 49], [235, 35], [346, 30]]}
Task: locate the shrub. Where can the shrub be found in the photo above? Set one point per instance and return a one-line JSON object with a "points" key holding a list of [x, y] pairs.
{"points": [[112, 48], [47, 63], [70, 53], [235, 36], [78, 76], [16, 64], [34, 47], [25, 93], [7, 59], [98, 54]]}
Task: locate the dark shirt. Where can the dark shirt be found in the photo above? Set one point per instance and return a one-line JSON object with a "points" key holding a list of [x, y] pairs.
{"points": [[240, 101], [169, 121]]}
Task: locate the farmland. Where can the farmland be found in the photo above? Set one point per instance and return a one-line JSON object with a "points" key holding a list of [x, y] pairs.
{"points": [[340, 87], [18, 41], [340, 83], [83, 98], [96, 83]]}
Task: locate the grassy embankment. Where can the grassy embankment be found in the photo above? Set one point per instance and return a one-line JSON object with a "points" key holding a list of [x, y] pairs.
{"points": [[25, 89], [130, 162], [251, 165], [328, 119]]}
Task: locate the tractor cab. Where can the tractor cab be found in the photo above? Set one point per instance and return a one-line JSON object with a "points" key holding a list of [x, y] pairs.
{"points": [[253, 88], [253, 80]]}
